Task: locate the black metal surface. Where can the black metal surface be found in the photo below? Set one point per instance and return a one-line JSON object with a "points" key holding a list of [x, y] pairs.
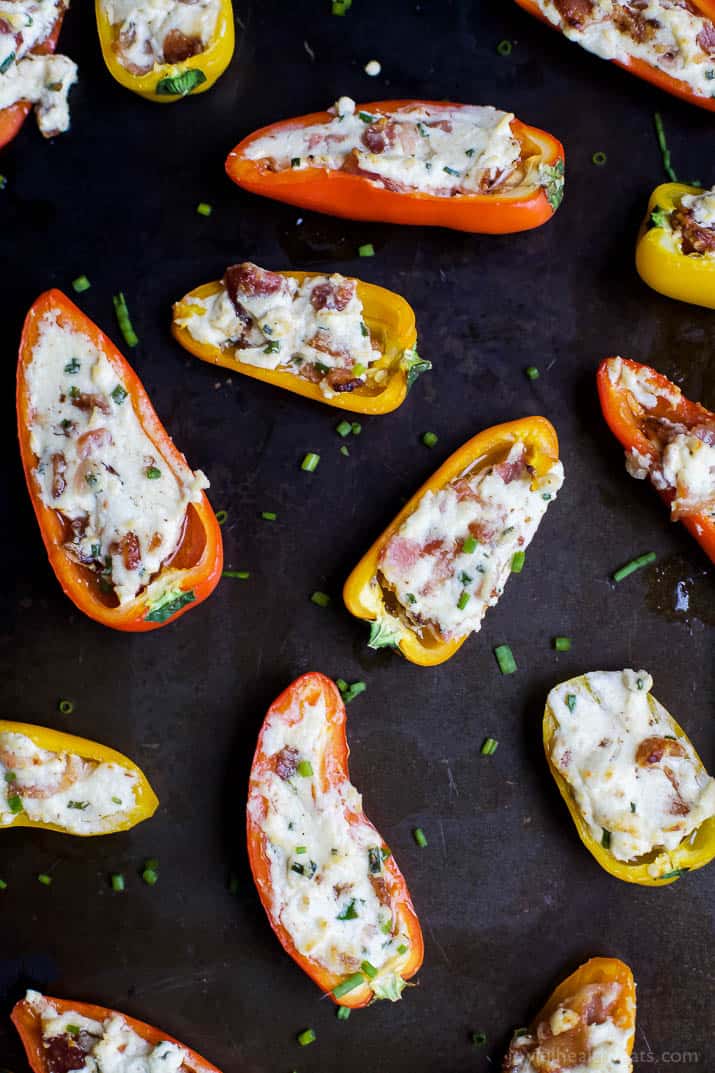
{"points": [[509, 900]]}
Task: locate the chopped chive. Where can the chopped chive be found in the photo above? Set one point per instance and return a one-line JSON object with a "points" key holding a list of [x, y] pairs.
{"points": [[3, 884], [119, 394], [349, 912], [517, 562], [152, 473], [301, 849], [605, 838], [44, 879], [368, 250], [304, 768], [7, 63], [72, 1030], [504, 48], [570, 701], [272, 348], [349, 692], [240, 575], [359, 369], [505, 659], [341, 7], [402, 949], [124, 321], [182, 84], [633, 565], [349, 984], [366, 117], [66, 707], [204, 209], [369, 970], [489, 747], [599, 159], [80, 284], [451, 171], [469, 545], [357, 428], [269, 515], [429, 439], [320, 598], [306, 1037], [295, 161], [116, 800], [463, 600], [221, 517], [344, 429], [420, 837], [343, 1013], [3, 182], [150, 876], [72, 366], [344, 451], [531, 372], [117, 881], [663, 146], [310, 462], [562, 644], [10, 777], [675, 874], [14, 803], [479, 1039], [633, 806]]}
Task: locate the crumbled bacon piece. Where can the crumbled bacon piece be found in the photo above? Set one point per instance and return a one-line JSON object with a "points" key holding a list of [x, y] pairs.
{"points": [[512, 468], [575, 13], [321, 341], [652, 750], [130, 549], [179, 46], [380, 135], [61, 1054], [92, 441], [694, 238], [59, 468], [87, 403], [286, 762], [379, 886], [634, 24], [342, 380], [333, 296], [250, 280]]}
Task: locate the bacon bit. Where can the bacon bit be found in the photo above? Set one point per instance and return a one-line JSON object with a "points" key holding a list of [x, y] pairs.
{"points": [[74, 769], [286, 762], [333, 296], [321, 341], [125, 41], [706, 433], [381, 135], [575, 13], [678, 806], [59, 468], [62, 1054], [131, 551], [634, 24], [706, 39], [87, 403], [156, 541], [379, 886], [432, 546], [401, 555], [512, 468], [694, 239], [652, 750], [250, 280], [179, 46], [342, 380], [442, 124], [92, 441]]}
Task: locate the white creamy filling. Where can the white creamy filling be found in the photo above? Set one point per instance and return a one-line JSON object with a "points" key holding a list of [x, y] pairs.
{"points": [[44, 81], [111, 1046], [606, 1043], [425, 564], [81, 796], [32, 21], [477, 148], [702, 207], [127, 501], [601, 722], [320, 863], [644, 390], [674, 47], [144, 25]]}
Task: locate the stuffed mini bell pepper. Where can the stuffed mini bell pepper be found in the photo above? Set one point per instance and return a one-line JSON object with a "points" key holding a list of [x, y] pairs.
{"points": [[589, 1023], [330, 886], [641, 800], [30, 75], [59, 782], [428, 581], [127, 527], [59, 1034], [461, 166], [670, 43], [675, 254], [162, 54], [667, 438], [330, 338]]}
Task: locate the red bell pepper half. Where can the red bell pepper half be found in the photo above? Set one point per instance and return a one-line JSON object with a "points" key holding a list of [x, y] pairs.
{"points": [[12, 118]]}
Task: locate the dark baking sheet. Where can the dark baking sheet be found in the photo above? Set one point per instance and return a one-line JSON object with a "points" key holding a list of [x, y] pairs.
{"points": [[509, 900]]}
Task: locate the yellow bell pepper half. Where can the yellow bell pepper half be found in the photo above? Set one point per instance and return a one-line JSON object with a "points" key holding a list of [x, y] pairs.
{"points": [[689, 277]]}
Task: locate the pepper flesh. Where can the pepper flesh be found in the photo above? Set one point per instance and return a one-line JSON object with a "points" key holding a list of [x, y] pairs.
{"points": [[12, 118], [662, 265], [307, 691], [211, 62], [362, 594], [145, 800], [635, 65], [390, 320], [627, 420], [691, 854], [29, 1026], [196, 566], [355, 197]]}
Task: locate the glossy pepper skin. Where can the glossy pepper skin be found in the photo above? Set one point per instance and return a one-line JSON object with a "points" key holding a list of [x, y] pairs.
{"points": [[628, 421], [687, 857], [391, 322], [362, 594], [355, 197], [146, 802], [644, 70], [195, 569], [689, 277], [211, 63], [305, 692], [29, 1027], [12, 118]]}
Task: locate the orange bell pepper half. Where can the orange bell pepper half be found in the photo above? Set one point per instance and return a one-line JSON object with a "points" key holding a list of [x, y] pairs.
{"points": [[331, 776], [195, 568], [635, 65], [634, 427], [26, 1020], [357, 197], [12, 118]]}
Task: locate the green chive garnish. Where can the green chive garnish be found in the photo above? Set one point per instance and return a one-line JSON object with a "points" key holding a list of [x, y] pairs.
{"points": [[320, 598], [349, 984], [343, 1013], [570, 701], [123, 320], [606, 838], [402, 949], [663, 146], [14, 803], [359, 370], [420, 837], [469, 545], [562, 644], [369, 970], [221, 517], [152, 473], [349, 692], [240, 575], [204, 209], [633, 565], [532, 372], [341, 7], [80, 284], [357, 428], [505, 659], [344, 429], [310, 462], [3, 884], [599, 159], [504, 48], [295, 161], [44, 879], [479, 1039], [344, 451], [489, 747], [306, 1037], [119, 394], [517, 562], [304, 768], [463, 600], [368, 250], [268, 515], [117, 881], [429, 439], [66, 707], [301, 849], [150, 875]]}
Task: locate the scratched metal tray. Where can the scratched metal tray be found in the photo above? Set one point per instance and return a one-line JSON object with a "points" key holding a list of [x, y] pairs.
{"points": [[509, 900]]}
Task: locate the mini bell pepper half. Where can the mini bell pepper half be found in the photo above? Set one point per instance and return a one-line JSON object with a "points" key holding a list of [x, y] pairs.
{"points": [[196, 566], [660, 261], [55, 741], [28, 1023], [303, 697], [637, 66], [12, 118], [692, 853], [390, 321], [632, 425], [168, 82], [357, 197], [362, 592]]}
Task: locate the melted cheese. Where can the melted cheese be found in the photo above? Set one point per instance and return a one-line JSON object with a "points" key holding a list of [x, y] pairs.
{"points": [[673, 49], [321, 864], [425, 565], [44, 81], [111, 1046], [478, 149], [601, 721], [116, 482], [142, 26]]}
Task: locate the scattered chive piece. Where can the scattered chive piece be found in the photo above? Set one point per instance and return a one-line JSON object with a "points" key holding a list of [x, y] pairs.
{"points": [[570, 701], [72, 1030], [517, 562], [369, 970], [301, 849], [123, 320], [429, 439], [599, 159], [116, 800], [320, 598], [3, 884], [3, 182], [357, 428], [368, 250], [295, 161], [44, 879], [420, 837], [150, 875], [66, 707], [349, 984], [310, 462], [463, 600], [241, 575], [221, 517], [479, 1039], [504, 48], [268, 515], [344, 429], [532, 372], [304, 768], [505, 659], [15, 804], [341, 7], [489, 747], [306, 1037], [633, 806], [343, 1013], [606, 838], [359, 369], [119, 394], [402, 949], [562, 644], [663, 146], [469, 545], [344, 451], [675, 874], [117, 881], [349, 692], [80, 284], [10, 777], [152, 473], [633, 565], [204, 209]]}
